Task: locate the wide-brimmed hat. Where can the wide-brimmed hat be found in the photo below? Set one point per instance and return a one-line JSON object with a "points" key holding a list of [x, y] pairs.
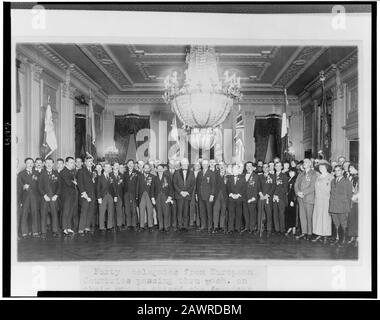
{"points": [[323, 163]]}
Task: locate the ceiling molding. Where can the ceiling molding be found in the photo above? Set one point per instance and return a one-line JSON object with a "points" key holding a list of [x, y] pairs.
{"points": [[330, 73], [157, 99], [100, 57], [58, 67], [294, 71]]}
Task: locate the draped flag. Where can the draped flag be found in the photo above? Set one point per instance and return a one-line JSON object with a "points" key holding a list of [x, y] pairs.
{"points": [[325, 127], [18, 98], [50, 140], [239, 137], [91, 133], [174, 135], [92, 122], [174, 130], [284, 129]]}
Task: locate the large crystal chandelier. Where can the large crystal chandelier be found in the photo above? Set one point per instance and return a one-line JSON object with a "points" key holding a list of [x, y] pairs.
{"points": [[203, 101]]}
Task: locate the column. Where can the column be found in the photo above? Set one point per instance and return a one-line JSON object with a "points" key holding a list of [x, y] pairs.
{"points": [[108, 130], [296, 133], [162, 140], [228, 138], [153, 138], [34, 110], [314, 129], [67, 145], [249, 140]]}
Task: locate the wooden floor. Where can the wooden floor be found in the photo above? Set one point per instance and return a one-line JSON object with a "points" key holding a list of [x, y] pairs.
{"points": [[129, 245]]}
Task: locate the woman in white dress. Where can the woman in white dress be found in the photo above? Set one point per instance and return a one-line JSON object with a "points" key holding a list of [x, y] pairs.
{"points": [[321, 215]]}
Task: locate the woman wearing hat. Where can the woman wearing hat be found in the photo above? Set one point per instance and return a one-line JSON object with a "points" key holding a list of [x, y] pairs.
{"points": [[321, 215]]}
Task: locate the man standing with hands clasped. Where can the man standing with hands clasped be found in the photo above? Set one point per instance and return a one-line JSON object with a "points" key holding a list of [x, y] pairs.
{"points": [[250, 203], [28, 194], [106, 197], [86, 186], [236, 190], [183, 183], [205, 192], [49, 185], [280, 198], [305, 190]]}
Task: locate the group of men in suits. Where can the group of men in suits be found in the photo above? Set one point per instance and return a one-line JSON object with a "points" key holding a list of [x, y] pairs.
{"points": [[211, 197]]}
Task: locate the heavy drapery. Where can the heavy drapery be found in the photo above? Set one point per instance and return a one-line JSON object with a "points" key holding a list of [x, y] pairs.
{"points": [[267, 135], [126, 127]]}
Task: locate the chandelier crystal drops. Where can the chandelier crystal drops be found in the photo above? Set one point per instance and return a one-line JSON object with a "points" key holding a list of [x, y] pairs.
{"points": [[203, 101]]}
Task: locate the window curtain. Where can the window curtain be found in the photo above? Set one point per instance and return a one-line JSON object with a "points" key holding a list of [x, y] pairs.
{"points": [[267, 135], [80, 135], [127, 126]]}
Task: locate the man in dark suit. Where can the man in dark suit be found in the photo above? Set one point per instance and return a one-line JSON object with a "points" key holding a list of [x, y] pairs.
{"points": [[163, 196], [27, 185], [145, 193], [106, 196], [39, 167], [340, 202], [60, 166], [75, 220], [220, 203], [280, 198], [184, 184], [118, 185], [86, 186], [251, 198], [205, 191], [236, 190], [173, 217], [49, 185], [68, 190], [266, 189], [195, 220], [130, 191]]}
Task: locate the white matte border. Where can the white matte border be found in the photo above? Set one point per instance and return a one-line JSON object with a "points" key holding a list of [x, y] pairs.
{"points": [[68, 26]]}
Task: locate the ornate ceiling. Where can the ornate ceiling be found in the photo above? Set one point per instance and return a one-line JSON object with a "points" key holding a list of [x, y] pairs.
{"points": [[134, 69]]}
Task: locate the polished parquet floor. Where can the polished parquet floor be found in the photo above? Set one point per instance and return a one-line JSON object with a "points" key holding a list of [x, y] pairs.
{"points": [[131, 245]]}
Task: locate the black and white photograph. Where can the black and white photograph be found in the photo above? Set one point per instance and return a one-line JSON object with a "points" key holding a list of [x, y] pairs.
{"points": [[190, 151]]}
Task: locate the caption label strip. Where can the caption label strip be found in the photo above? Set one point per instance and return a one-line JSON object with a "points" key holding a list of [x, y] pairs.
{"points": [[163, 278]]}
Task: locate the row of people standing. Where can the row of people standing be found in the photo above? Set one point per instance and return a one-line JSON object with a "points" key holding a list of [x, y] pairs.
{"points": [[216, 198]]}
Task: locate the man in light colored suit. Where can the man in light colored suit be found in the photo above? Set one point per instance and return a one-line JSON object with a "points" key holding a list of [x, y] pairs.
{"points": [[305, 190]]}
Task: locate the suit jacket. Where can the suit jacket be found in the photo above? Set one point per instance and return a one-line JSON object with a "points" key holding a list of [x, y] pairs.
{"points": [[24, 178], [281, 186], [221, 184], [252, 186], [306, 183], [118, 184], [341, 195], [105, 186], [179, 184], [130, 182], [68, 188], [163, 186], [86, 182], [49, 184], [240, 187], [267, 184], [145, 183], [38, 174], [205, 186]]}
